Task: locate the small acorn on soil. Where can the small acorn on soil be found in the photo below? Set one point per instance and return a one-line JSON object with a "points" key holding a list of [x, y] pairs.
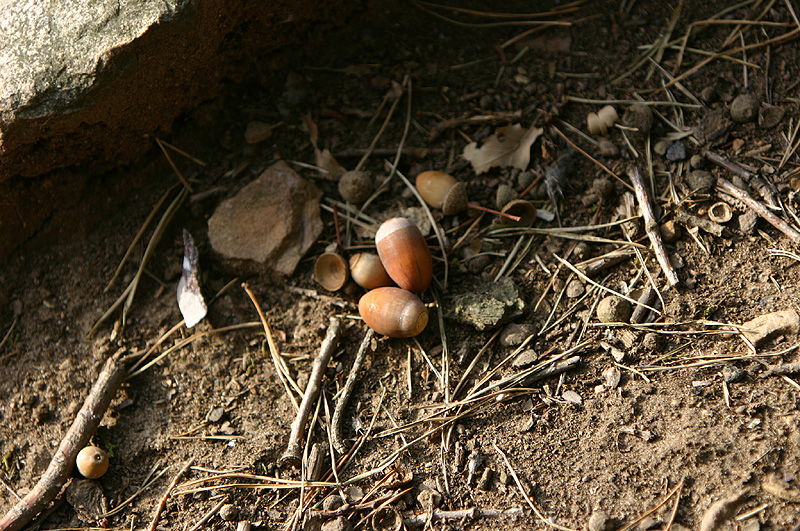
{"points": [[92, 462]]}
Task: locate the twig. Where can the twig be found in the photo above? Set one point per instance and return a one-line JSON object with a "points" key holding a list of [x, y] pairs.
{"points": [[291, 456], [582, 152], [651, 226], [759, 209], [77, 437], [344, 396], [467, 515], [163, 503], [209, 514], [552, 370]]}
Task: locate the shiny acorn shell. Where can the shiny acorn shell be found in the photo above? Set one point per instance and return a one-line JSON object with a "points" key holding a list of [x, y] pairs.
{"points": [[442, 191], [367, 271], [393, 312], [92, 462], [405, 254], [331, 271]]}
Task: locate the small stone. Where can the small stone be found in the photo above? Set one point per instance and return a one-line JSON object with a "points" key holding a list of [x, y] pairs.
{"points": [[581, 251], [639, 116], [490, 305], [697, 162], [600, 521], [763, 327], [526, 358], [515, 333], [700, 181], [614, 309], [713, 128], [572, 397], [611, 377], [503, 478], [770, 115], [607, 148], [244, 525], [229, 512], [733, 374], [676, 152], [216, 414], [708, 94], [575, 289], [355, 187], [747, 222], [525, 179], [602, 187], [505, 194], [485, 483], [650, 342], [256, 132], [332, 502], [340, 523], [670, 231], [661, 147], [744, 108]]}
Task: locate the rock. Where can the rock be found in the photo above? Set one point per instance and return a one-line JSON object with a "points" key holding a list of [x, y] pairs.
{"points": [[713, 129], [87, 83], [639, 116], [611, 377], [87, 498], [747, 222], [603, 187], [256, 132], [272, 221], [697, 162], [572, 397], [575, 289], [770, 115], [525, 359], [763, 327], [733, 374], [215, 415], [670, 231], [607, 148], [332, 502], [340, 523], [599, 521], [244, 525], [661, 147], [614, 309], [485, 483], [505, 194], [744, 108], [229, 512], [515, 333], [699, 181], [489, 306], [676, 152], [708, 94]]}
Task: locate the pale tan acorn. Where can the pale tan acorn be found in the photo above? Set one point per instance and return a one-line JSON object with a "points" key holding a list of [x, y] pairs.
{"points": [[331, 271], [393, 312], [442, 191], [92, 462], [367, 271], [405, 254]]}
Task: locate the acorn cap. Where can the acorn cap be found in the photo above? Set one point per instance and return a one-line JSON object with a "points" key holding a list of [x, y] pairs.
{"points": [[331, 271], [522, 209], [456, 199]]}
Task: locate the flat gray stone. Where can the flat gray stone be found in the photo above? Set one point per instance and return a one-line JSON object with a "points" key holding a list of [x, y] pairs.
{"points": [[272, 221], [769, 325]]}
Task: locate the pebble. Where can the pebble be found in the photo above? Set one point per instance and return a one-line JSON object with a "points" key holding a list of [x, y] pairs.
{"points": [[229, 512], [661, 147], [514, 334], [256, 132], [697, 162], [505, 194], [614, 309], [602, 187], [485, 483], [708, 94], [700, 181], [744, 108], [244, 525], [600, 521], [670, 231], [572, 397], [216, 414], [639, 116], [332, 502], [526, 358], [575, 289], [607, 148], [770, 115], [489, 305], [733, 374], [676, 152], [525, 179], [611, 377], [355, 187], [340, 523], [770, 325], [650, 341]]}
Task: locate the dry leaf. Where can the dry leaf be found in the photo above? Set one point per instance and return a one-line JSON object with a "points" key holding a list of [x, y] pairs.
{"points": [[326, 161], [509, 146]]}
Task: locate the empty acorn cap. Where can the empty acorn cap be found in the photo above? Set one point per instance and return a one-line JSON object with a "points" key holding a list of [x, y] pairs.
{"points": [[720, 212], [524, 210], [331, 271]]}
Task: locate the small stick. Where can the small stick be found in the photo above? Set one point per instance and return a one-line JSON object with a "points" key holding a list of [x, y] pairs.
{"points": [[291, 456], [495, 212], [651, 226], [209, 515], [582, 152], [759, 209], [552, 370], [468, 515], [336, 225], [77, 437], [344, 396], [163, 503]]}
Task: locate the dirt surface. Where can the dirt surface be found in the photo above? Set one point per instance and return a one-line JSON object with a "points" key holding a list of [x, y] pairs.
{"points": [[695, 417]]}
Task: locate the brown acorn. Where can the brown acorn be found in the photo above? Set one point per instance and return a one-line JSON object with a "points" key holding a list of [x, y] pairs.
{"points": [[393, 312], [442, 191], [405, 254], [368, 272], [92, 462]]}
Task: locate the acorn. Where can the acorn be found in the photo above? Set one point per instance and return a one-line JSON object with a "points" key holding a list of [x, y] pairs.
{"points": [[331, 271], [393, 312], [368, 272], [355, 186], [92, 462], [405, 254], [442, 191]]}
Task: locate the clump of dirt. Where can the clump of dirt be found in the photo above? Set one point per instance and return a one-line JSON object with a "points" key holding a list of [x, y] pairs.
{"points": [[597, 423]]}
